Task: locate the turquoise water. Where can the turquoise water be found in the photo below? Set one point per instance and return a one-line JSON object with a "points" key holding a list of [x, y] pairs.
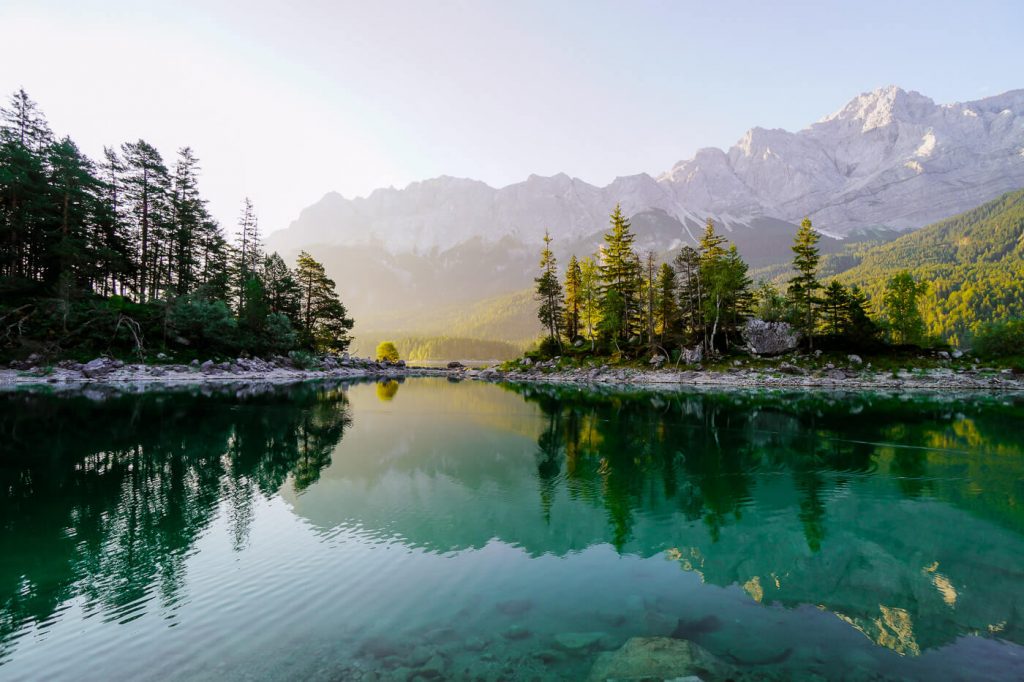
{"points": [[474, 531]]}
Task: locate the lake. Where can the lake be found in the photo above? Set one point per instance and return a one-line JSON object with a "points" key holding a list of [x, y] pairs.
{"points": [[478, 531]]}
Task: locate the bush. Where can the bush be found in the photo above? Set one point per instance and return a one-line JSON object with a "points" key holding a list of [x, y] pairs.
{"points": [[204, 324], [1000, 339], [386, 351], [278, 335], [303, 359]]}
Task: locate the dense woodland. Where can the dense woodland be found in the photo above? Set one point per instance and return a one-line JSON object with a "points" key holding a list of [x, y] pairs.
{"points": [[122, 256], [973, 263], [619, 302]]}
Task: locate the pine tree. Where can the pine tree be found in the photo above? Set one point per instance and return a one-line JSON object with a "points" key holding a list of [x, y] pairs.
{"points": [[146, 184], [75, 193], [188, 216], [549, 291], [573, 301], [324, 322], [249, 248], [804, 285], [835, 308], [691, 292], [590, 298], [282, 290], [26, 124], [668, 309], [620, 272], [650, 296]]}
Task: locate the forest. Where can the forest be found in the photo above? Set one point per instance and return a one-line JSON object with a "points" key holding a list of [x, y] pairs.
{"points": [[624, 304], [121, 256]]}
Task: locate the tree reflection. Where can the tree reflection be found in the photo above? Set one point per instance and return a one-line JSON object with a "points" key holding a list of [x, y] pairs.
{"points": [[120, 520], [630, 451]]}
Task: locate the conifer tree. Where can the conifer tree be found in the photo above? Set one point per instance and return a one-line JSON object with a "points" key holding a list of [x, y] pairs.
{"points": [[248, 248], [549, 291], [573, 300], [804, 285], [835, 308], [146, 184], [620, 272], [691, 293], [324, 322], [668, 309], [590, 298]]}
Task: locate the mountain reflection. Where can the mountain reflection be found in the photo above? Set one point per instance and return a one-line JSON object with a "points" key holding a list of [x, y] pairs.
{"points": [[103, 496]]}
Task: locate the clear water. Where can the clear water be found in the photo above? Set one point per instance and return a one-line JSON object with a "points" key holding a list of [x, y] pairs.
{"points": [[472, 531]]}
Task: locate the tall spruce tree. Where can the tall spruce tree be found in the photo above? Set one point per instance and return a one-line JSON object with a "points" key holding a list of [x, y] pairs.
{"points": [[620, 273], [691, 293], [549, 292], [573, 299], [804, 285]]}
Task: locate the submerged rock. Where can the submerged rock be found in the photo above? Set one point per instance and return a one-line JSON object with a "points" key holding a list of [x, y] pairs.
{"points": [[660, 658], [575, 641]]}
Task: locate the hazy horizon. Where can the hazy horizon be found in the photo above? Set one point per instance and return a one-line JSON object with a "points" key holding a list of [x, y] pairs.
{"points": [[285, 104]]}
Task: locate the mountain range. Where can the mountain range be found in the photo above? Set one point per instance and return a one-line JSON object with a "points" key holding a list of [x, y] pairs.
{"points": [[888, 161]]}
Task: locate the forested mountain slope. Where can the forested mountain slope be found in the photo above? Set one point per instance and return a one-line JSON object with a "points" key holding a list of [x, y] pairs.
{"points": [[973, 262]]}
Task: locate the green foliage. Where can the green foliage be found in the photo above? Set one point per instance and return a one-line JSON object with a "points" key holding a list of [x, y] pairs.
{"points": [[386, 350], [769, 304], [573, 305], [620, 273], [804, 284], [324, 322], [903, 315], [136, 232], [549, 291], [973, 262], [303, 359], [1001, 339]]}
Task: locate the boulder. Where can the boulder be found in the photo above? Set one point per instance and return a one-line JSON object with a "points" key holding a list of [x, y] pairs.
{"points": [[770, 338], [693, 356], [787, 368], [660, 658], [855, 359], [657, 360], [455, 364], [207, 367], [957, 354], [943, 355], [100, 367]]}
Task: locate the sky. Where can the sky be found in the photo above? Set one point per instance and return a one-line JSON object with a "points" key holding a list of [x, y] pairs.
{"points": [[285, 101]]}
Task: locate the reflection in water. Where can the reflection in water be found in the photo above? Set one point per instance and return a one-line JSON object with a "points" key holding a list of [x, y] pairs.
{"points": [[111, 492], [775, 529], [387, 389]]}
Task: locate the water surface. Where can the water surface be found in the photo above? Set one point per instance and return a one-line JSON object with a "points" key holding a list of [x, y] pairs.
{"points": [[475, 531]]}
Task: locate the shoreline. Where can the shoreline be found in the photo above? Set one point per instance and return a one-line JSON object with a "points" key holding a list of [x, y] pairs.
{"points": [[143, 377], [835, 379]]}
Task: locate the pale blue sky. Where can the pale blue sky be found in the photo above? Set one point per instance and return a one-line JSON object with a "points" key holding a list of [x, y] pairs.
{"points": [[286, 101]]}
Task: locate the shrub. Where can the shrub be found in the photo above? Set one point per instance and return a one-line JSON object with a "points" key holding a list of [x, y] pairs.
{"points": [[386, 351], [303, 359], [1000, 339]]}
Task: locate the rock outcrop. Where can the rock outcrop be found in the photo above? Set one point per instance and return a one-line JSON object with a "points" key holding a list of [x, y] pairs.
{"points": [[770, 338]]}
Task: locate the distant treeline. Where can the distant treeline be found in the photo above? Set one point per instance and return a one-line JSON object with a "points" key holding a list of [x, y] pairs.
{"points": [[122, 256], [415, 348]]}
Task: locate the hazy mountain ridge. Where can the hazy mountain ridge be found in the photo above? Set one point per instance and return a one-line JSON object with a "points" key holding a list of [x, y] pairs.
{"points": [[888, 159]]}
